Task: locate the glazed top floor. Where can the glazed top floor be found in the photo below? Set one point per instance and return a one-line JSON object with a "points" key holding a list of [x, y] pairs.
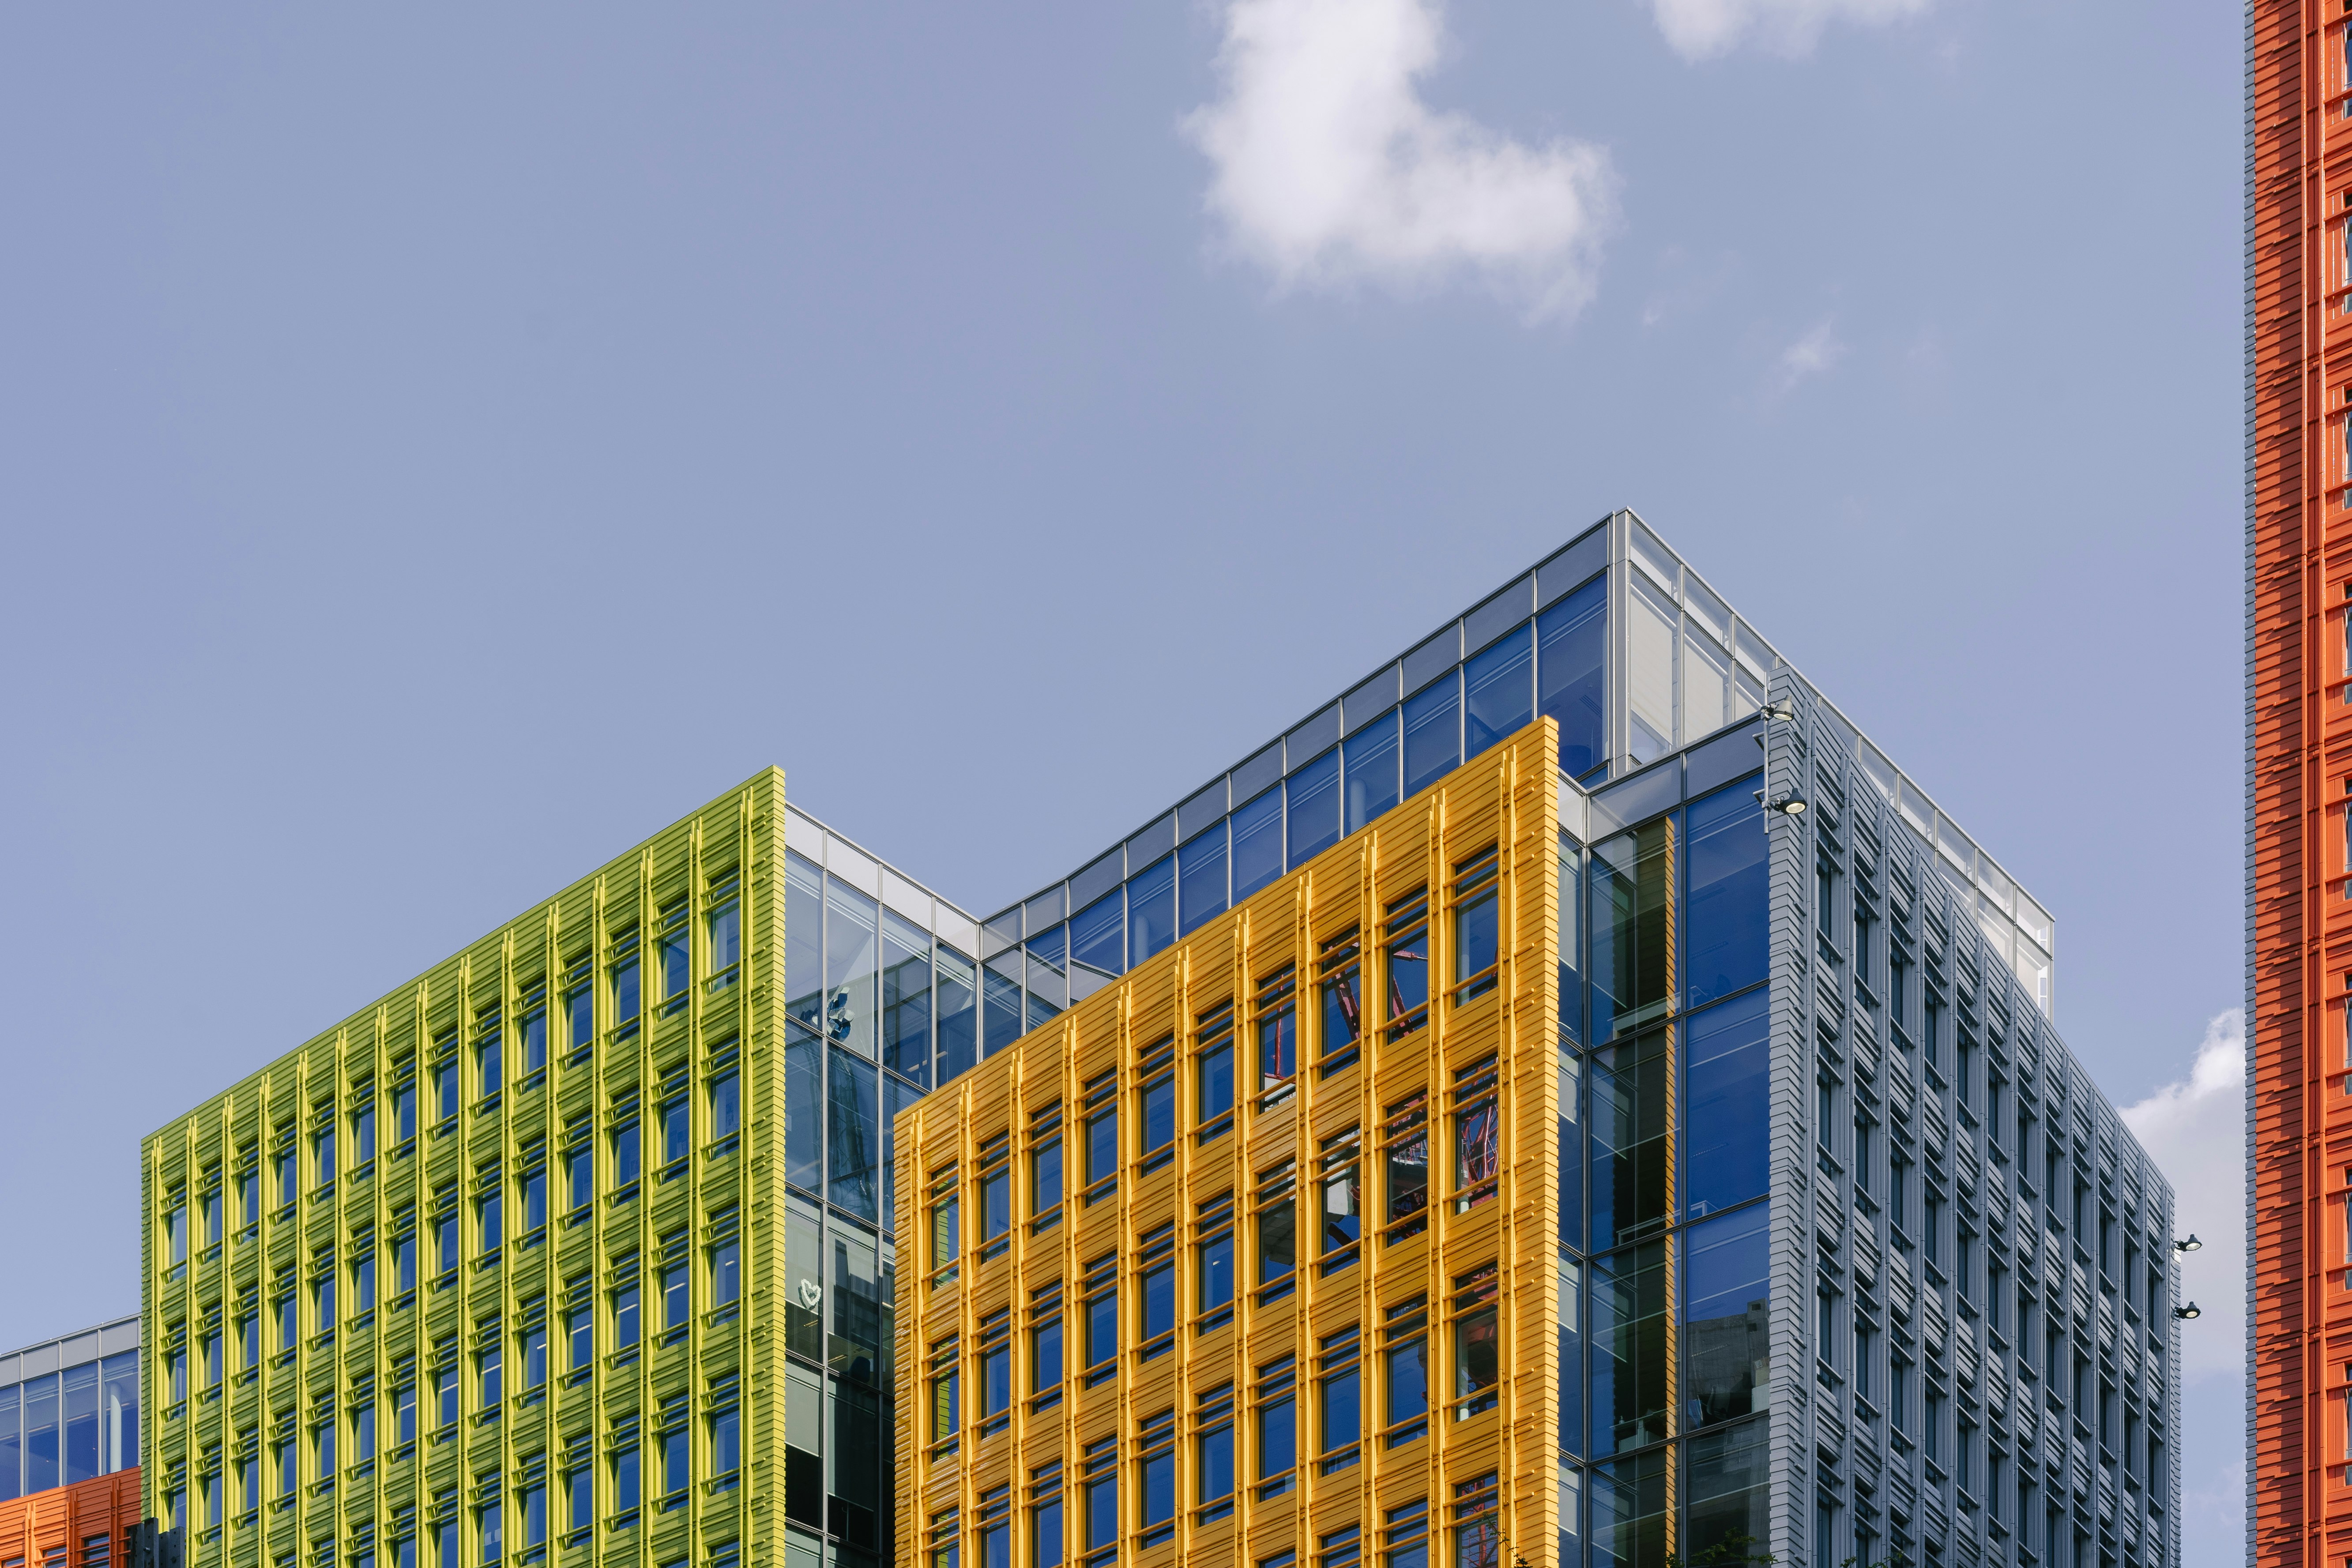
{"points": [[652, 937], [1613, 636]]}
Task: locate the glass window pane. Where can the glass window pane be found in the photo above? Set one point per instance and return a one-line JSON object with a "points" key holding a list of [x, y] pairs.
{"points": [[895, 1097], [1728, 908], [1001, 1002], [803, 1108], [1629, 1382], [1501, 691], [1573, 675], [1257, 844], [856, 1149], [1433, 733], [81, 1445], [1730, 1487], [1097, 937], [1314, 808], [1727, 1335], [804, 941], [1201, 882], [1372, 771], [852, 965], [1728, 1052], [1632, 958], [1631, 1157], [958, 1004], [1152, 909], [905, 998]]}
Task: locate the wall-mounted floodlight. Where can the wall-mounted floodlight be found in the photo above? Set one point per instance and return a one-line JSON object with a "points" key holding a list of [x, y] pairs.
{"points": [[1788, 806], [1784, 711], [2190, 1311], [2189, 1245]]}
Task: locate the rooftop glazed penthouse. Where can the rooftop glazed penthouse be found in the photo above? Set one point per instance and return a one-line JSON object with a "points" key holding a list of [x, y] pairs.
{"points": [[1725, 1177], [1611, 637]]}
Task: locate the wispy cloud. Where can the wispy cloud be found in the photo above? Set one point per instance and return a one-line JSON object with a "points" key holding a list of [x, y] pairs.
{"points": [[2195, 1129], [1329, 170], [1700, 29], [1812, 354]]}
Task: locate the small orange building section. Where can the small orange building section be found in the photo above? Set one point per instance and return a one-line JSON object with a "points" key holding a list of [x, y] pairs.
{"points": [[2298, 522], [67, 1527]]}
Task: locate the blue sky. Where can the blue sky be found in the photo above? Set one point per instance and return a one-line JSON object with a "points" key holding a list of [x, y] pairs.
{"points": [[439, 447]]}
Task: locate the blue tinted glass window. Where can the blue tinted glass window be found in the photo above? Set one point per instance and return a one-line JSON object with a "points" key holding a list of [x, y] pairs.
{"points": [[1573, 675], [1630, 1118], [1201, 878], [1049, 990], [81, 1445], [999, 1005], [1152, 909], [12, 1448], [1313, 792], [1727, 1315], [803, 1108], [1159, 1302], [122, 1407], [958, 1003], [1572, 944], [1729, 1050], [40, 1431], [1257, 844], [1371, 770], [1572, 1358], [1629, 1385], [1433, 733], [1097, 935], [854, 1153], [1501, 683], [1726, 909], [897, 1095], [906, 998], [804, 944]]}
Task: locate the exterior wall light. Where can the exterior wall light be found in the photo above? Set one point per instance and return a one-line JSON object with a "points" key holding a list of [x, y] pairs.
{"points": [[1788, 806], [2190, 1311], [1784, 711], [2190, 1244]]}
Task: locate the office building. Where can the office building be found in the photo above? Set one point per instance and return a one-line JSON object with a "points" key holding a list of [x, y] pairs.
{"points": [[70, 1448], [2298, 542], [574, 1247], [1570, 1099]]}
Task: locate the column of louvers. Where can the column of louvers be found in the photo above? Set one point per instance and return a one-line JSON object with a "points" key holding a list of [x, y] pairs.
{"points": [[2281, 498], [1504, 799]]}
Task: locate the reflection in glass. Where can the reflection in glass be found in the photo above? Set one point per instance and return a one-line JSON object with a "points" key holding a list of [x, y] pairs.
{"points": [[1632, 930], [81, 1421], [1313, 793], [906, 998], [1650, 674], [852, 965], [804, 941], [1629, 1385], [1371, 754], [863, 1277], [1432, 732], [1726, 1144], [1152, 909], [1000, 980], [1729, 1481], [1097, 945], [1202, 863], [12, 1447], [1501, 691], [958, 1013], [1573, 675], [1571, 1356], [1048, 989], [857, 1143], [1257, 844], [1727, 1310], [1630, 1156], [1572, 1151], [803, 1108], [1629, 1512], [1728, 909], [897, 1095], [122, 1405]]}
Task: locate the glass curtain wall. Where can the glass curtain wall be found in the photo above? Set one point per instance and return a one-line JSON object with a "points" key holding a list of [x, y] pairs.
{"points": [[880, 1010], [1664, 1243], [70, 1424]]}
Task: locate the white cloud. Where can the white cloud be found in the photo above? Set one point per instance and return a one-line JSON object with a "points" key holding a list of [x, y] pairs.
{"points": [[1699, 29], [1810, 355], [2195, 1130], [1330, 170]]}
